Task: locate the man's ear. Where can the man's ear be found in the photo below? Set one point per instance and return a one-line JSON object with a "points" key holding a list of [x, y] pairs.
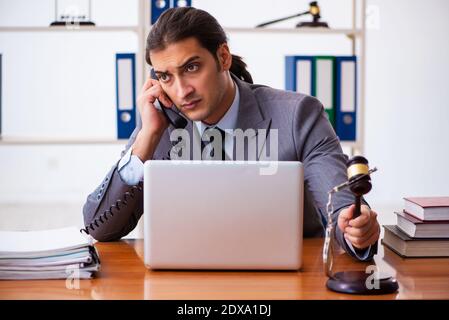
{"points": [[224, 57]]}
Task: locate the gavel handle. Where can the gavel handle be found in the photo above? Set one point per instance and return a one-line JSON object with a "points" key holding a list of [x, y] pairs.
{"points": [[357, 206]]}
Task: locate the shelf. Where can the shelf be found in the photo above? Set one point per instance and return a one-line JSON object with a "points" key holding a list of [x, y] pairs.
{"points": [[71, 29], [58, 141], [349, 32]]}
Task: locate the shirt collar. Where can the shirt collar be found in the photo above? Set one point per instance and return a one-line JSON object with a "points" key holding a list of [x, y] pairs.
{"points": [[229, 120]]}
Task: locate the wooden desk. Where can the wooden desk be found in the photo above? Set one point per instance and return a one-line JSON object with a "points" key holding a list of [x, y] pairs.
{"points": [[124, 276]]}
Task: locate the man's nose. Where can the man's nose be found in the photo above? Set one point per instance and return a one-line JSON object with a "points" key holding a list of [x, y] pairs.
{"points": [[184, 89]]}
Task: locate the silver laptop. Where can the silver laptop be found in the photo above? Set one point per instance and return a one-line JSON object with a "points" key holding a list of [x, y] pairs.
{"points": [[223, 215]]}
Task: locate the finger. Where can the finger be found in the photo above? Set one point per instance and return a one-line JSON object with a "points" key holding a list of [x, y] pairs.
{"points": [[166, 102], [361, 231], [156, 92], [160, 94], [363, 219], [344, 216], [149, 83], [363, 242], [372, 239], [347, 213]]}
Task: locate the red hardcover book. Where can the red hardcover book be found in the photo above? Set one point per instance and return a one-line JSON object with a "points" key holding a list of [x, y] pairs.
{"points": [[428, 208], [416, 228]]}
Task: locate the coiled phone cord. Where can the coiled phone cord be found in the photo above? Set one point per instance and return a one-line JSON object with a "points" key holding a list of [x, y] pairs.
{"points": [[104, 217]]}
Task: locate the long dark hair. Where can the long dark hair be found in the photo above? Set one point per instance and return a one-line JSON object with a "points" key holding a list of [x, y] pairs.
{"points": [[177, 24]]}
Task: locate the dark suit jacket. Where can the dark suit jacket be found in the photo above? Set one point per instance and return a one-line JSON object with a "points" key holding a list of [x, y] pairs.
{"points": [[304, 134]]}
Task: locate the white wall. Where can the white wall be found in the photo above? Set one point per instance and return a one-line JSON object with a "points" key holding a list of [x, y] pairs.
{"points": [[407, 97], [407, 110]]}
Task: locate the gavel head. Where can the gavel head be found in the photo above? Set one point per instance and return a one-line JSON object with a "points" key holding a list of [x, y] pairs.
{"points": [[358, 166], [314, 9]]}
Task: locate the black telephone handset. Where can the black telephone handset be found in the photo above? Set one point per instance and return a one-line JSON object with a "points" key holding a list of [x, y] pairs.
{"points": [[173, 117]]}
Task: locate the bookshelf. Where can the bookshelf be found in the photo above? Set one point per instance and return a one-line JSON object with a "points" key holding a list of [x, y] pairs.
{"points": [[304, 30], [356, 35], [140, 30], [70, 29]]}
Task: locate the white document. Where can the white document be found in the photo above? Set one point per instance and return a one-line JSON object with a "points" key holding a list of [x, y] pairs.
{"points": [[83, 256], [46, 242]]}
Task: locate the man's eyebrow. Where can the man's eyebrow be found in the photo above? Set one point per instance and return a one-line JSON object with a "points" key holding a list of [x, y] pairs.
{"points": [[190, 60]]}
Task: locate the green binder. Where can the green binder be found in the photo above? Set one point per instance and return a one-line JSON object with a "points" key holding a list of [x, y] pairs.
{"points": [[324, 86]]}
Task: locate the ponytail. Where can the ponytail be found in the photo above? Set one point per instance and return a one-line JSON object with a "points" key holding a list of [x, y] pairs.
{"points": [[238, 68]]}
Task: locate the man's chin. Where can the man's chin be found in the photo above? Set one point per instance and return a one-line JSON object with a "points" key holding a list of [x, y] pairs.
{"points": [[194, 115]]}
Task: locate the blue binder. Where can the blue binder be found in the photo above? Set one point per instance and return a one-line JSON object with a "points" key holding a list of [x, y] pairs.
{"points": [[299, 74], [159, 6], [346, 97], [125, 93]]}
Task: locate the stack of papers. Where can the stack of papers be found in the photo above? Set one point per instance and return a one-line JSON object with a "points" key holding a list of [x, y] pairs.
{"points": [[49, 254]]}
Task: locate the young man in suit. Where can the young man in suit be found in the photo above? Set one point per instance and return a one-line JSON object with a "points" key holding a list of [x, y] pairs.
{"points": [[197, 73]]}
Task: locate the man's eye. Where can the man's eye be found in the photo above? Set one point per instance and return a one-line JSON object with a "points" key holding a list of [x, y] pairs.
{"points": [[192, 67], [163, 77]]}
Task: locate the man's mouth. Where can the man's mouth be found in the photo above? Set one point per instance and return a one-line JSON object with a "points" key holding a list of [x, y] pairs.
{"points": [[190, 105]]}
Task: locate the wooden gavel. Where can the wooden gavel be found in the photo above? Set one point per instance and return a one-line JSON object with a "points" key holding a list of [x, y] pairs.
{"points": [[359, 180]]}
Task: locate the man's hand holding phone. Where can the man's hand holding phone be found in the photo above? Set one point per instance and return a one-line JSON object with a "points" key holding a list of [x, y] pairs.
{"points": [[154, 122]]}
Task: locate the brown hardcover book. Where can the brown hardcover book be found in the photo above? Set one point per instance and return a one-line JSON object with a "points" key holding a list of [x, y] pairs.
{"points": [[416, 228], [408, 247], [428, 208]]}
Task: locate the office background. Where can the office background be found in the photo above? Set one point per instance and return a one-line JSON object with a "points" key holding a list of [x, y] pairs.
{"points": [[63, 85]]}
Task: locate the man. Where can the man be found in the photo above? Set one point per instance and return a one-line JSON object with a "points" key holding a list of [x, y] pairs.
{"points": [[212, 88]]}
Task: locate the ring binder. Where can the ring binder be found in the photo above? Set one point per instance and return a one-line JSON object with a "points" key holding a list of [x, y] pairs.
{"points": [[346, 97], [125, 94], [300, 74], [159, 6], [116, 205]]}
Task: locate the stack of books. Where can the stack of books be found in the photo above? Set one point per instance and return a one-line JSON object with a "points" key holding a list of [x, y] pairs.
{"points": [[49, 254], [422, 228]]}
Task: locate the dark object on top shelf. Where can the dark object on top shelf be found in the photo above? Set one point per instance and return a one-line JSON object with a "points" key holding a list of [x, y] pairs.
{"points": [[72, 23], [314, 10]]}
